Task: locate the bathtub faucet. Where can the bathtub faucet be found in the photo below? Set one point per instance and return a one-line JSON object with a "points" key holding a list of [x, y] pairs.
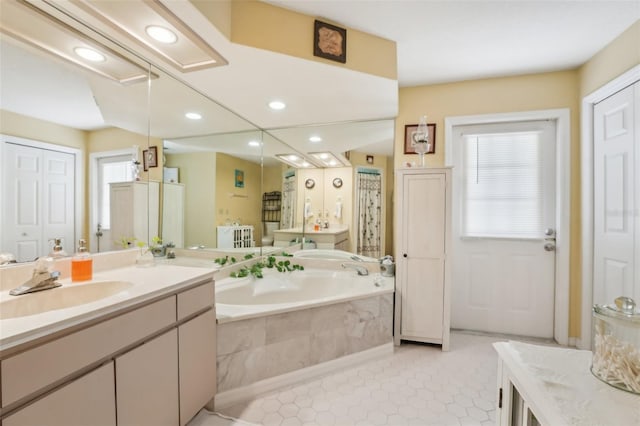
{"points": [[359, 268]]}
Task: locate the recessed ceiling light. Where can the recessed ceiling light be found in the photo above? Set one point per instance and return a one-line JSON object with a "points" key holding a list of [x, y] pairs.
{"points": [[89, 54], [315, 139], [277, 105], [254, 143], [305, 164], [193, 116], [161, 34], [293, 158]]}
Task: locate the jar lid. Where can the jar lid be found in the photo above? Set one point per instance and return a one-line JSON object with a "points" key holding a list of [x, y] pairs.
{"points": [[624, 308]]}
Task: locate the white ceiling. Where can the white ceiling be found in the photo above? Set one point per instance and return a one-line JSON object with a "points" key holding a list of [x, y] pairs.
{"points": [[453, 40]]}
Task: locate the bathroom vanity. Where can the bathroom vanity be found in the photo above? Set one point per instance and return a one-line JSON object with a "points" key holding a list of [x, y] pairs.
{"points": [[334, 237], [140, 356]]}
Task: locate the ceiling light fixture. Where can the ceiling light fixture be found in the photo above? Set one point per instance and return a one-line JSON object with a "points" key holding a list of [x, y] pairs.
{"points": [[277, 105], [193, 116], [254, 144], [315, 138], [328, 159], [89, 54], [295, 161], [161, 34]]}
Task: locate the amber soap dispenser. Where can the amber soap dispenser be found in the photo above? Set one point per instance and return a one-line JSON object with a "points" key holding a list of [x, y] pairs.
{"points": [[81, 263]]}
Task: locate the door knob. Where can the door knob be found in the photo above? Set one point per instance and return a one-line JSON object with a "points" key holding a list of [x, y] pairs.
{"points": [[549, 232], [549, 247]]}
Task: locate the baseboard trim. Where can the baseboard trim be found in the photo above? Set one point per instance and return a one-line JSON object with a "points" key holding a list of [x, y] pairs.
{"points": [[237, 395]]}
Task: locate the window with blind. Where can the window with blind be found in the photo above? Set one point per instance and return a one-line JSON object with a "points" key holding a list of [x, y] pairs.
{"points": [[503, 185]]}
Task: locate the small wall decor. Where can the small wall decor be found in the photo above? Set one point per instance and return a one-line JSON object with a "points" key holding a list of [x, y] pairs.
{"points": [[369, 159], [409, 132], [309, 183], [329, 42], [337, 182], [150, 157], [239, 178]]}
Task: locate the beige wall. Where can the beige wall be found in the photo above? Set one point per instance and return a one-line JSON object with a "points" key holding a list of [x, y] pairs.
{"points": [[617, 57], [239, 204], [500, 95], [268, 27], [198, 174], [31, 128]]}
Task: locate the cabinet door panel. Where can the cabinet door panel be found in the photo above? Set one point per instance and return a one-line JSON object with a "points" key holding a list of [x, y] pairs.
{"points": [[147, 383], [89, 400], [197, 364]]}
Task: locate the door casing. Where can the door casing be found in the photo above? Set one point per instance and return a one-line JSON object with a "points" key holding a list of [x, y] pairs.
{"points": [[563, 196]]}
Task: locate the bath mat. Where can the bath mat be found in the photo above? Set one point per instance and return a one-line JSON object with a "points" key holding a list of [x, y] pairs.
{"points": [[208, 418]]}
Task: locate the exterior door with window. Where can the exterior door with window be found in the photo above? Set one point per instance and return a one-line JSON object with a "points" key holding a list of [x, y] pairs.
{"points": [[111, 169], [504, 228]]}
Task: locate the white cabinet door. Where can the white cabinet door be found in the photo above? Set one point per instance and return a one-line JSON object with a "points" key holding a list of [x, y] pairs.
{"points": [[197, 364], [147, 383], [422, 277], [89, 400]]}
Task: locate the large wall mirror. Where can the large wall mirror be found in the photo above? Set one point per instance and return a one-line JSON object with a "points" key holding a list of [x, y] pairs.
{"points": [[211, 180]]}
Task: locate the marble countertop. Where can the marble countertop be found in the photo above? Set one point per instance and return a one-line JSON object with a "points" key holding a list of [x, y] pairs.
{"points": [[560, 389], [147, 283]]}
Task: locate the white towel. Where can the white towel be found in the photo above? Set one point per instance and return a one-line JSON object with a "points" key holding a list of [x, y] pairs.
{"points": [[338, 212], [307, 210]]}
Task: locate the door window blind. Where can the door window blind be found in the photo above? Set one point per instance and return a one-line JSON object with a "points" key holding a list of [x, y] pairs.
{"points": [[502, 185]]}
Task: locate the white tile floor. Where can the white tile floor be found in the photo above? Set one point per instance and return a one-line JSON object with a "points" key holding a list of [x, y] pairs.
{"points": [[417, 385]]}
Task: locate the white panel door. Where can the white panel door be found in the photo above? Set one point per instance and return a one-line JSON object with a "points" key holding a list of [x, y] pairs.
{"points": [[58, 198], [23, 195], [504, 201], [615, 187]]}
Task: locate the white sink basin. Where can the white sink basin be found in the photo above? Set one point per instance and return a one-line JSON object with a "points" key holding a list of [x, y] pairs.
{"points": [[67, 296]]}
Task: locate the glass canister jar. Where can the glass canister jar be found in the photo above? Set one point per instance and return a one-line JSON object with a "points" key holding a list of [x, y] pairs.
{"points": [[616, 344]]}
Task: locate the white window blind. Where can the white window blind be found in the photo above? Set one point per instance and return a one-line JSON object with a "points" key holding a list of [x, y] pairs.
{"points": [[502, 185]]}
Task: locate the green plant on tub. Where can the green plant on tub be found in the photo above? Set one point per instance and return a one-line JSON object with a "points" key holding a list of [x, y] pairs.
{"points": [[256, 268]]}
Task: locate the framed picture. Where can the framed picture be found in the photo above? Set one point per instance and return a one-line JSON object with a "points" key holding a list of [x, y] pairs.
{"points": [[150, 157], [329, 42], [369, 159], [239, 177], [410, 131]]}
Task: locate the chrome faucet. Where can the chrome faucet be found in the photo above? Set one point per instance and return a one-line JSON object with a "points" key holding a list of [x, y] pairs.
{"points": [[42, 279], [362, 271]]}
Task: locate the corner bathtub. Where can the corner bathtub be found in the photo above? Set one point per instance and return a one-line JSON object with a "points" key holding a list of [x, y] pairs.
{"points": [[286, 327], [277, 292]]}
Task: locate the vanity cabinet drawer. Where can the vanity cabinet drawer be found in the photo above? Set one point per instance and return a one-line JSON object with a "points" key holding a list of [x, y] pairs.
{"points": [[88, 400], [34, 369], [195, 300]]}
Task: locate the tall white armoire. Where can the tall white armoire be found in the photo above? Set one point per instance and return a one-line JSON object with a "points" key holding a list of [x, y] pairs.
{"points": [[423, 266], [135, 209], [173, 214]]}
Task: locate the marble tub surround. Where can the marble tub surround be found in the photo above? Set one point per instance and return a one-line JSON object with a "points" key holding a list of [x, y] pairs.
{"points": [[147, 284], [256, 349]]}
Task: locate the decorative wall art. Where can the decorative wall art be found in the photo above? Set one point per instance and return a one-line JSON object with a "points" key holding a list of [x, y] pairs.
{"points": [[239, 178], [409, 138], [150, 157], [329, 42]]}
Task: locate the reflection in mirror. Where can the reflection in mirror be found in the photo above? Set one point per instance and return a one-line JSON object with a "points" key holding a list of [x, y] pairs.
{"points": [[346, 206], [56, 116]]}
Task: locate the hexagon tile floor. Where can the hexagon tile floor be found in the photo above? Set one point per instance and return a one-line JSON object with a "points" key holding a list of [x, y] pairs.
{"points": [[417, 385]]}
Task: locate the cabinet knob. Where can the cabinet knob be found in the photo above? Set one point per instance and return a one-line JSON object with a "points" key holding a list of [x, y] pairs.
{"points": [[404, 255]]}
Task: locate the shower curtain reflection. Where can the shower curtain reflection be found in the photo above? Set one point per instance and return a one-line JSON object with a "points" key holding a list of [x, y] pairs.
{"points": [[368, 211]]}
